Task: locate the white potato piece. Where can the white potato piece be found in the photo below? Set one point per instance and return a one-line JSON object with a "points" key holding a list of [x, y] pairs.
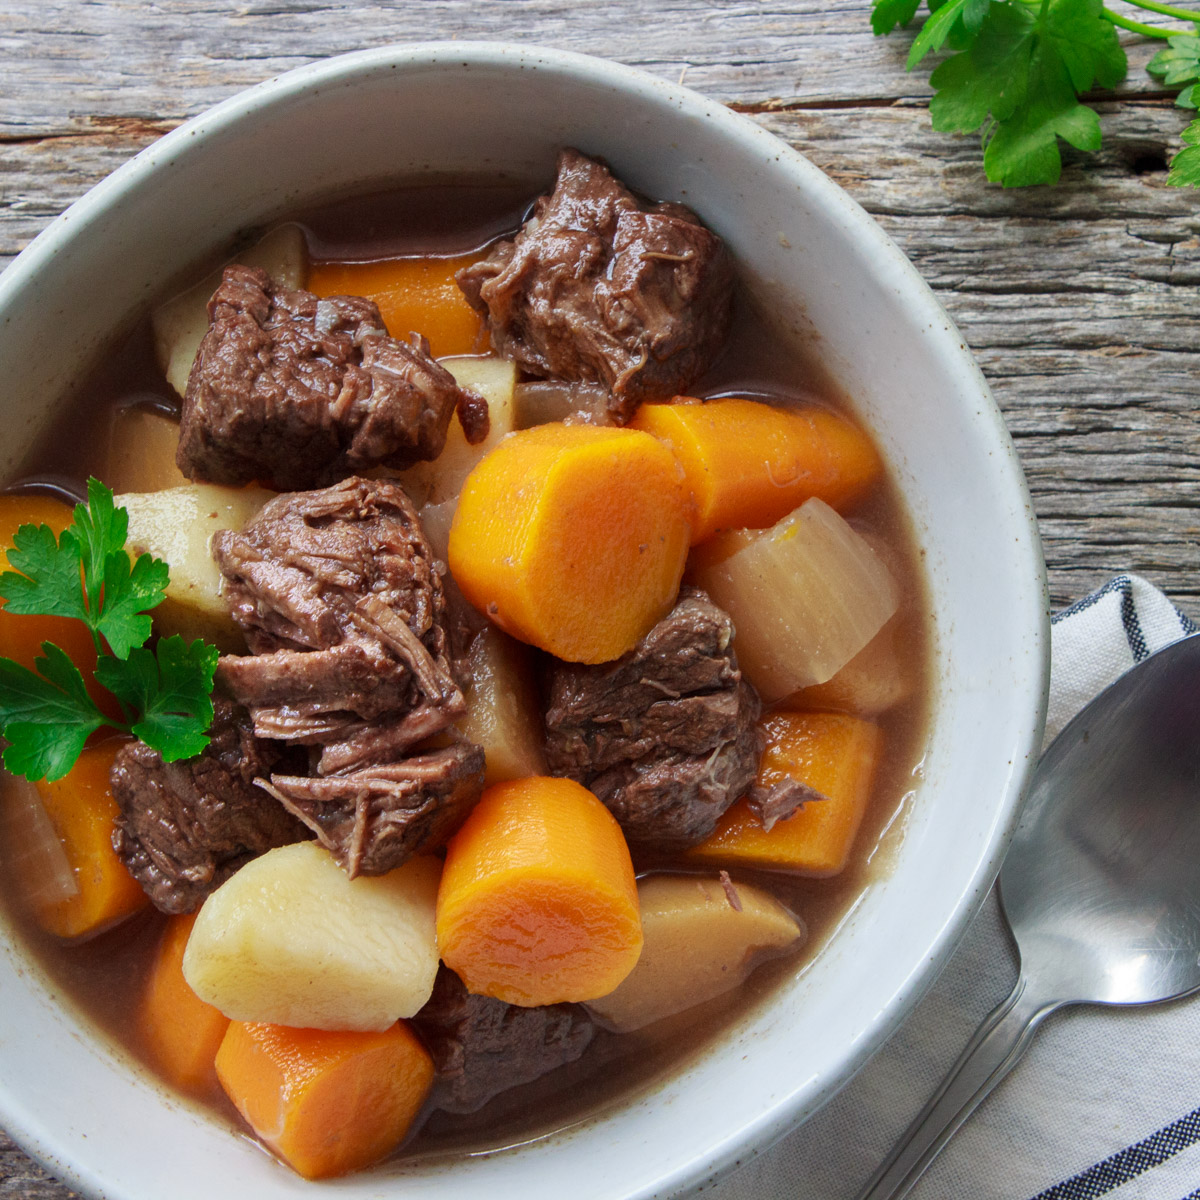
{"points": [[177, 525], [697, 945], [292, 940], [495, 379], [805, 596], [179, 325], [141, 451], [503, 714]]}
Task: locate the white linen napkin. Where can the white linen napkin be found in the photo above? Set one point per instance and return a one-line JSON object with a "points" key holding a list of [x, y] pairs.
{"points": [[1106, 1101]]}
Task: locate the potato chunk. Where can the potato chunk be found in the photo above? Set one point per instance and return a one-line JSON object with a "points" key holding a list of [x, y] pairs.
{"points": [[177, 525], [292, 940], [495, 379], [179, 325], [697, 945]]}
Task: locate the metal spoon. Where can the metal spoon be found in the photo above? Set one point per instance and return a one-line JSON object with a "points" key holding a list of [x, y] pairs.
{"points": [[1101, 885]]}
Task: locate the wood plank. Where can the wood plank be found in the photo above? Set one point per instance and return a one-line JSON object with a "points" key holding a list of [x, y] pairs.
{"points": [[71, 62], [22, 1179]]}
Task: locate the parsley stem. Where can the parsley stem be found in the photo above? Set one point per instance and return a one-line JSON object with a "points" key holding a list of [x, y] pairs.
{"points": [[1184, 14], [1137, 27]]}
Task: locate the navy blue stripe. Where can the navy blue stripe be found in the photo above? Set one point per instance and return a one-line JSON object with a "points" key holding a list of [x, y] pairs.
{"points": [[1129, 618], [1129, 1163]]}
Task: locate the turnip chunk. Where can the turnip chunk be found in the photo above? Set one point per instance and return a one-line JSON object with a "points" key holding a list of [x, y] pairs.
{"points": [[292, 940], [697, 946], [503, 713], [179, 324], [805, 596]]}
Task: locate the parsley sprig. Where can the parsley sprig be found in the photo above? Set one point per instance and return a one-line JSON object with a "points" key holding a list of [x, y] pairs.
{"points": [[1179, 66], [164, 694], [1020, 68]]}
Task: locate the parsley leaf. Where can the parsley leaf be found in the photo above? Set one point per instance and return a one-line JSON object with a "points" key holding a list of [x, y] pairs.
{"points": [[48, 582], [1179, 64], [941, 24], [1185, 166], [129, 590], [1020, 79], [47, 714], [171, 687], [114, 598]]}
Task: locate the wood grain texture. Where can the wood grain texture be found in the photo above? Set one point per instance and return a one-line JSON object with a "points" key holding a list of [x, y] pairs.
{"points": [[1080, 302]]}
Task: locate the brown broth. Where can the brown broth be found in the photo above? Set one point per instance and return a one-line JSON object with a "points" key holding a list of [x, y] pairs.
{"points": [[104, 977]]}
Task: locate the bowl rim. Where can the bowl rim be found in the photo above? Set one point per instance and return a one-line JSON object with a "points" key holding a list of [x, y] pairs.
{"points": [[343, 70]]}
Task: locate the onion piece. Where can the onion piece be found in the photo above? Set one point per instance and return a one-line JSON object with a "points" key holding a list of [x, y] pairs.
{"points": [[805, 596], [34, 853]]}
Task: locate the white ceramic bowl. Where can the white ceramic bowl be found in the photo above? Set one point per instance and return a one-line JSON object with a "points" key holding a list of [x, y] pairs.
{"points": [[404, 112]]}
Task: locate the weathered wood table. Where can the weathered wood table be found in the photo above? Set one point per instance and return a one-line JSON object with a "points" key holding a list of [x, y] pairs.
{"points": [[1080, 302]]}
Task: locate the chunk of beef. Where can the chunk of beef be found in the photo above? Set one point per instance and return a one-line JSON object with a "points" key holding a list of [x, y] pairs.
{"points": [[185, 827], [377, 816], [295, 391], [596, 288], [342, 602], [666, 735], [482, 1046]]}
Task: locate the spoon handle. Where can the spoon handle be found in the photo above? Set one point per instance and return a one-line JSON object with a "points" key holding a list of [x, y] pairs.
{"points": [[989, 1056]]}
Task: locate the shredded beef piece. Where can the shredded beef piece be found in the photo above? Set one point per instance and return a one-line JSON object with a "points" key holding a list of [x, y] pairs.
{"points": [[482, 1046], [595, 288], [781, 800], [342, 603], [666, 734], [185, 827], [295, 391], [375, 817]]}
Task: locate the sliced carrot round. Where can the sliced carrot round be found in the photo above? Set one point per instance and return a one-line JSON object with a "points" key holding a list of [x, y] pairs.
{"points": [[326, 1102], [538, 902], [573, 538], [748, 463]]}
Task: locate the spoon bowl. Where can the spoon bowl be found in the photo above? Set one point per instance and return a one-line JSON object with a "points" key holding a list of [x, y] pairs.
{"points": [[1100, 887]]}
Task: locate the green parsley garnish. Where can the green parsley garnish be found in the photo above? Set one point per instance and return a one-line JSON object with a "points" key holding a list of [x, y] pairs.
{"points": [[1179, 66], [1020, 68], [164, 694]]}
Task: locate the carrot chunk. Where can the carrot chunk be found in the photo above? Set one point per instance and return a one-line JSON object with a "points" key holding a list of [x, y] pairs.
{"points": [[538, 903], [573, 538], [83, 813], [835, 754], [181, 1033], [326, 1102], [748, 463], [414, 295]]}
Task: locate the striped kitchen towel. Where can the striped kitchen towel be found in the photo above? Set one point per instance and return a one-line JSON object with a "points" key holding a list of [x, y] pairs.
{"points": [[1105, 1103]]}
